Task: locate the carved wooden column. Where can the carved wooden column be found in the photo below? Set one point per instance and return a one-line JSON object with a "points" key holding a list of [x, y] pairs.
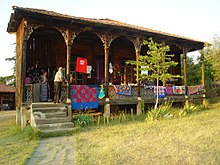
{"points": [[106, 40], [106, 50], [69, 42], [185, 74], [137, 44]]}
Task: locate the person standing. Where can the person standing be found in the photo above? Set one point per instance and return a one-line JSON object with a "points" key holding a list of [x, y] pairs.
{"points": [[44, 87], [57, 85]]}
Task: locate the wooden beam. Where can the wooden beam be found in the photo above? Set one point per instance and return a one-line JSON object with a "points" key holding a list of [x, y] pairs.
{"points": [[106, 50], [184, 65], [68, 58]]}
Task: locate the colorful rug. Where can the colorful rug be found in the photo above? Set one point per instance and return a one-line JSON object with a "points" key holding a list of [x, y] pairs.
{"points": [[84, 97], [193, 90], [161, 92], [123, 89], [179, 90], [169, 90], [201, 89]]}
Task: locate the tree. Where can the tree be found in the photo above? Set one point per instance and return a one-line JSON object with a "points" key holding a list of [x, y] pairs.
{"points": [[10, 80], [212, 54], [158, 62]]}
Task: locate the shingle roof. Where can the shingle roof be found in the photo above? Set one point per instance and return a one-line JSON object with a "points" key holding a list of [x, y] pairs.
{"points": [[102, 22], [6, 88]]}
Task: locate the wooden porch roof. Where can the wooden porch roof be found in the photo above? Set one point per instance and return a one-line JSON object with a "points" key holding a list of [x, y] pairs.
{"points": [[106, 25]]}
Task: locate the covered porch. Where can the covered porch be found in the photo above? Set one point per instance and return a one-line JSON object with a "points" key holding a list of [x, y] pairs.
{"points": [[47, 40]]}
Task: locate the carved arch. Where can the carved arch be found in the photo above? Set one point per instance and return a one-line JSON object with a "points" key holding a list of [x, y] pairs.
{"points": [[29, 28]]}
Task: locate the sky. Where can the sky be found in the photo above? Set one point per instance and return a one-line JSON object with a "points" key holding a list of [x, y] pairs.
{"points": [[196, 19]]}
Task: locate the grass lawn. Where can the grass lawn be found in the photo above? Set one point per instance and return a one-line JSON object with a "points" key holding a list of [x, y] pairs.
{"points": [[16, 145], [188, 140]]}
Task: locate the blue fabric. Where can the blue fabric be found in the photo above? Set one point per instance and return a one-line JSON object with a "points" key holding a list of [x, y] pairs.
{"points": [[84, 97], [123, 89], [101, 93]]}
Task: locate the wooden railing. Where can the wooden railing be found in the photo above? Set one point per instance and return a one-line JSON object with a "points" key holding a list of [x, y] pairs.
{"points": [[146, 94]]}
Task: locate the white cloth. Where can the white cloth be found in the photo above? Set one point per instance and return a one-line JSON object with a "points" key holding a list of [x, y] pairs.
{"points": [[88, 69], [58, 77]]}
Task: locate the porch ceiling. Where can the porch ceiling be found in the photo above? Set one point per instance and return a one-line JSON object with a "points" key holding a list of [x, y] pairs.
{"points": [[51, 18]]}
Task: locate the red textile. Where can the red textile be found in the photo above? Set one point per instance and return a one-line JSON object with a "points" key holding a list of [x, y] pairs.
{"points": [[81, 64]]}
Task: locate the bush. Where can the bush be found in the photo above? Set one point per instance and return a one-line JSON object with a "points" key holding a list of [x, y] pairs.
{"points": [[160, 112], [188, 108], [83, 120]]}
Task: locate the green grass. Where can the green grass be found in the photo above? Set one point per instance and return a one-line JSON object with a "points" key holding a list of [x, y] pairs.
{"points": [[16, 145], [193, 139]]}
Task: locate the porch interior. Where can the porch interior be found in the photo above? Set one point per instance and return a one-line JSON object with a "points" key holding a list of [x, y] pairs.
{"points": [[47, 50]]}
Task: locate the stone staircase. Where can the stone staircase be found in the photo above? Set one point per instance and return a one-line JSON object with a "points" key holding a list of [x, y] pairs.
{"points": [[51, 118]]}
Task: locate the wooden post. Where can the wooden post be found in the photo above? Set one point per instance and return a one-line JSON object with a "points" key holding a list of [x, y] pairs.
{"points": [[23, 119], [137, 52], [185, 74], [107, 106], [203, 78], [106, 50], [137, 73], [184, 65], [23, 72], [23, 116]]}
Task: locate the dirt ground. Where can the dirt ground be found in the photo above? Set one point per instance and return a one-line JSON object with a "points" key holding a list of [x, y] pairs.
{"points": [[8, 113]]}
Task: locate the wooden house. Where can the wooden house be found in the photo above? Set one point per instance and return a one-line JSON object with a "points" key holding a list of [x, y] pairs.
{"points": [[7, 97], [47, 39]]}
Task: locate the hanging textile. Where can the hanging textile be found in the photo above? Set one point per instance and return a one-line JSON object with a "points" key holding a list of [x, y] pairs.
{"points": [[123, 89], [161, 92], [81, 65], [193, 89], [179, 90], [84, 96], [169, 90], [101, 92]]}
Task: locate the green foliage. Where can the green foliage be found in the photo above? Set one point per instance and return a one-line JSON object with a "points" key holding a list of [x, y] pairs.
{"points": [[159, 113], [83, 120], [188, 108], [157, 61], [189, 140], [212, 53], [16, 144], [10, 80]]}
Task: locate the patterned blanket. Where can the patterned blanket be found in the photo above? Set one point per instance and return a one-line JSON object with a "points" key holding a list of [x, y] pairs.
{"points": [[169, 90], [179, 90], [161, 92], [193, 89], [84, 96], [123, 89]]}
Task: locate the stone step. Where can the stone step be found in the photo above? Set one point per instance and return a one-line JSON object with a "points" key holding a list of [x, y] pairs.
{"points": [[46, 104], [58, 132], [55, 115], [41, 115], [53, 120], [55, 126], [50, 109]]}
